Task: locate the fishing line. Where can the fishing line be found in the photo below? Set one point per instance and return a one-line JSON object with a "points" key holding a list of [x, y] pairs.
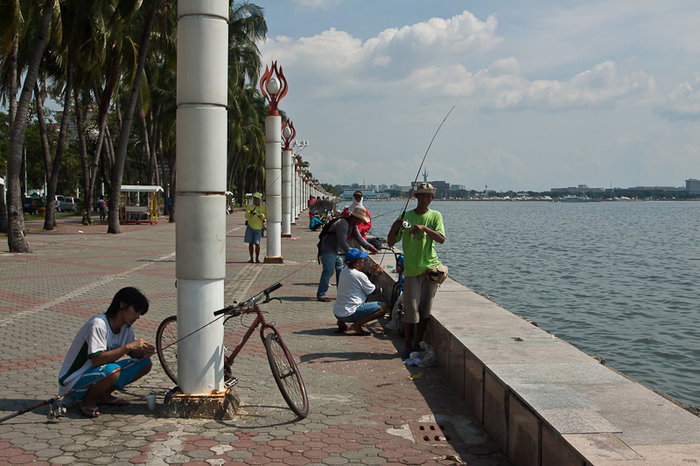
{"points": [[423, 161]]}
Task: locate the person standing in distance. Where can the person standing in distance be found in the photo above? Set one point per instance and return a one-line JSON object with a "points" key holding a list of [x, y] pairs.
{"points": [[425, 229], [255, 217]]}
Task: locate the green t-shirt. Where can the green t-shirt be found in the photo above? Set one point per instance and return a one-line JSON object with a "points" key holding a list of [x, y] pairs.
{"points": [[419, 250], [255, 222]]}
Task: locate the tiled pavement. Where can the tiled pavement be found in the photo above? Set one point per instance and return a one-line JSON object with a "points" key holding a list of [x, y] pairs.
{"points": [[366, 406]]}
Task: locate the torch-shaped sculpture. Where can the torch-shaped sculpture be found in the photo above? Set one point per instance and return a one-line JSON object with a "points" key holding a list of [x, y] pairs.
{"points": [[273, 86], [288, 134]]}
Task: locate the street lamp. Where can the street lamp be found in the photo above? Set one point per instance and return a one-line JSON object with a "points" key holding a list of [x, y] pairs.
{"points": [[273, 86]]}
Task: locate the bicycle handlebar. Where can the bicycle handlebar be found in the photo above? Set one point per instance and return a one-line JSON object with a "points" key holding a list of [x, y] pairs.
{"points": [[266, 292]]}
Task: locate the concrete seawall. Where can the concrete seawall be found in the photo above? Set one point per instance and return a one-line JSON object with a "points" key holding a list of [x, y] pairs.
{"points": [[543, 400]]}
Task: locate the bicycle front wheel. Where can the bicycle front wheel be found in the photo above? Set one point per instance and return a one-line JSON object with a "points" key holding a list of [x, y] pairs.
{"points": [[286, 374], [166, 346]]}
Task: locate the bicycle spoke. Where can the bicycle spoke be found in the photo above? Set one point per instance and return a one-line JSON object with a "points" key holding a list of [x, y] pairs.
{"points": [[286, 375]]}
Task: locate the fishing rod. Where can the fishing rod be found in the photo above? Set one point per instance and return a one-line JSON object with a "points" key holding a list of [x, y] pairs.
{"points": [[61, 410], [404, 223]]}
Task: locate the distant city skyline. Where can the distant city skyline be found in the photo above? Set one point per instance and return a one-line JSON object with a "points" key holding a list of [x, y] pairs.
{"points": [[547, 93], [690, 183]]}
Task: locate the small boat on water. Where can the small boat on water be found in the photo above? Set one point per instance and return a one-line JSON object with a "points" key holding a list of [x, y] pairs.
{"points": [[571, 198]]}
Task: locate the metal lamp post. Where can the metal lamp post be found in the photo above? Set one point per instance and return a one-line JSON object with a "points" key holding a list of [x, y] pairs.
{"points": [[274, 87]]}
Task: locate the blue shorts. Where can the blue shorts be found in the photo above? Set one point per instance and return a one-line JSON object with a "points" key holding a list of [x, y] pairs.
{"points": [[252, 235], [362, 311], [126, 376]]}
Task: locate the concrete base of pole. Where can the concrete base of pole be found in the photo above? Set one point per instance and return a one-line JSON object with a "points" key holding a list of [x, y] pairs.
{"points": [[274, 260], [216, 405]]}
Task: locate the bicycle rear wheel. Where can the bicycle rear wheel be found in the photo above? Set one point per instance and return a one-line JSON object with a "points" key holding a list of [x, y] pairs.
{"points": [[286, 374], [166, 336]]}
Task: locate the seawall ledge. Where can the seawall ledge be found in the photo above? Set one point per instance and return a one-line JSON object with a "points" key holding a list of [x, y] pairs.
{"points": [[545, 401]]}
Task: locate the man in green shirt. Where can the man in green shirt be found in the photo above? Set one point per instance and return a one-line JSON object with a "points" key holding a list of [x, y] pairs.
{"points": [[255, 218], [424, 228]]}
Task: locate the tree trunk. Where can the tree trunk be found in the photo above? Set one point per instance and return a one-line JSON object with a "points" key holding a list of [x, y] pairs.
{"points": [[12, 60], [104, 98], [52, 175], [16, 238], [120, 157], [87, 193]]}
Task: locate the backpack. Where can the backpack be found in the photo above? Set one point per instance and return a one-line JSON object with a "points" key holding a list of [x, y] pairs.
{"points": [[324, 231]]}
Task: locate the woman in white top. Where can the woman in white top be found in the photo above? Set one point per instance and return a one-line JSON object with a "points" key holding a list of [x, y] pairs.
{"points": [[353, 288]]}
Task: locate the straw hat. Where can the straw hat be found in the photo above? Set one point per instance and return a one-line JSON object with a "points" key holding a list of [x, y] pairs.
{"points": [[361, 213], [424, 188]]}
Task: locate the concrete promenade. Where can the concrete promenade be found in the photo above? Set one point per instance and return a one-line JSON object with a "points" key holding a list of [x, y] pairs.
{"points": [[366, 406]]}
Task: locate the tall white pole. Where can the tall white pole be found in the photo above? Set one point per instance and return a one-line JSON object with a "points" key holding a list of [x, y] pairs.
{"points": [[287, 193], [273, 187], [202, 65], [273, 86]]}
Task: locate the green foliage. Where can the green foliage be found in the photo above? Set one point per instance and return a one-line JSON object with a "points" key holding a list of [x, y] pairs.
{"points": [[331, 189]]}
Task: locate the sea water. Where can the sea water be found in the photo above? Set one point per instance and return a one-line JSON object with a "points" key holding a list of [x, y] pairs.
{"points": [[620, 280]]}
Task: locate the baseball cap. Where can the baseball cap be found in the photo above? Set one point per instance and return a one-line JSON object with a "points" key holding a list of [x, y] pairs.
{"points": [[353, 254]]}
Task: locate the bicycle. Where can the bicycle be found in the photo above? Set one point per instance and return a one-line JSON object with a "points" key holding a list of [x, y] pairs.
{"points": [[396, 304], [284, 368]]}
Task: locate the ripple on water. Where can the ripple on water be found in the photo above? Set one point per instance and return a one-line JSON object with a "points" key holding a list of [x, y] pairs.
{"points": [[618, 280]]}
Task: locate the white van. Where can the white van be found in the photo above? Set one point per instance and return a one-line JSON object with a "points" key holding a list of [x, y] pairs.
{"points": [[68, 204]]}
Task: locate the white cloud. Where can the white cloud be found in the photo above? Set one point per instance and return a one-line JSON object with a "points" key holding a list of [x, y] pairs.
{"points": [[683, 103], [323, 4], [430, 58]]}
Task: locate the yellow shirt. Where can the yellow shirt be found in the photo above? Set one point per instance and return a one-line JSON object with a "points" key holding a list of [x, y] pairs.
{"points": [[251, 214]]}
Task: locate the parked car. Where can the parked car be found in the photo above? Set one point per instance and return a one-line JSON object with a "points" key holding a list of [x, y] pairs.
{"points": [[58, 198], [68, 204], [29, 205]]}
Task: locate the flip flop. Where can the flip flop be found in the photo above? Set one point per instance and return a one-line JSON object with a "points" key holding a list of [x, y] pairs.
{"points": [[342, 327], [360, 331], [90, 411]]}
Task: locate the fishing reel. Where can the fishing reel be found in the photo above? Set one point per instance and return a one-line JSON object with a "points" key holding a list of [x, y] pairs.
{"points": [[406, 225], [55, 412]]}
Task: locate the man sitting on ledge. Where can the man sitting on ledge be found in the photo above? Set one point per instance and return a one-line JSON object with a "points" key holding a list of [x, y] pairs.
{"points": [[353, 289]]}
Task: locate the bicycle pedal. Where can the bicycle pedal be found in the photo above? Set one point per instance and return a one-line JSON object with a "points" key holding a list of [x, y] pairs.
{"points": [[229, 383]]}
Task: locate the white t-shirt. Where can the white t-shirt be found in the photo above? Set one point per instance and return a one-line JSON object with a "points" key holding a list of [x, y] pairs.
{"points": [[353, 289], [93, 338]]}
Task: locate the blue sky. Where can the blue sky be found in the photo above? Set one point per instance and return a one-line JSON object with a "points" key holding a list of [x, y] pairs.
{"points": [[546, 94]]}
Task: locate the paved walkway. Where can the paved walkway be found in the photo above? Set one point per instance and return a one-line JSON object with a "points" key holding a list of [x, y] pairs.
{"points": [[366, 406]]}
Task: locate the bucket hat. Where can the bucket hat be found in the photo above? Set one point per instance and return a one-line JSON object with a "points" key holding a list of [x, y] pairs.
{"points": [[361, 213], [424, 188]]}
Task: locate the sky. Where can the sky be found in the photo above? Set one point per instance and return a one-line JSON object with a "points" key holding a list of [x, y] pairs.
{"points": [[546, 94]]}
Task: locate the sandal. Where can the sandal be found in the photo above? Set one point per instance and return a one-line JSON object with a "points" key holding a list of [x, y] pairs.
{"points": [[90, 411], [359, 331], [342, 327]]}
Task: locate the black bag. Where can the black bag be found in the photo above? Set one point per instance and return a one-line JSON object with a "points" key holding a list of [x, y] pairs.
{"points": [[324, 231]]}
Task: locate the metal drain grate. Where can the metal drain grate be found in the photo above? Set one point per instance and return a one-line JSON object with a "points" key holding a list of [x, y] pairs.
{"points": [[431, 432]]}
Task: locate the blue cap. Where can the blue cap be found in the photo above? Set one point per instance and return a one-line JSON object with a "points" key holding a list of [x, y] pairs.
{"points": [[353, 254]]}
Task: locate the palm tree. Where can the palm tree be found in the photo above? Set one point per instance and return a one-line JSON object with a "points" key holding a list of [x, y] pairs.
{"points": [[16, 238], [120, 156], [246, 140]]}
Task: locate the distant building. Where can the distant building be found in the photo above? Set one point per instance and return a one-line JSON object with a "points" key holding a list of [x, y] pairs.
{"points": [[692, 186], [458, 187], [580, 189]]}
